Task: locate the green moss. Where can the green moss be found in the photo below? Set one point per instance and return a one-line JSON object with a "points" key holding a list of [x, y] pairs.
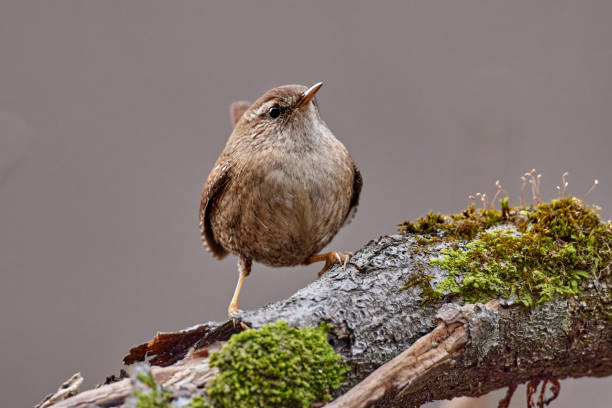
{"points": [[420, 279], [428, 224], [160, 397], [457, 226], [157, 397], [275, 366], [546, 250], [198, 402]]}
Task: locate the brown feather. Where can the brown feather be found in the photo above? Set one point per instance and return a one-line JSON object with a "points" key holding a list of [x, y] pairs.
{"points": [[357, 184], [214, 186], [217, 179], [237, 109]]}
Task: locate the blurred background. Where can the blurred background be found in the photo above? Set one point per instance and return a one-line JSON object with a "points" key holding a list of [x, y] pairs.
{"points": [[112, 113]]}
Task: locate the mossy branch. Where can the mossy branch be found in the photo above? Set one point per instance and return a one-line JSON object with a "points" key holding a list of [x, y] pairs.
{"points": [[435, 346]]}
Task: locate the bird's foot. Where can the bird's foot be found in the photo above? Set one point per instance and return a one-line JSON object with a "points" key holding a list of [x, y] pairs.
{"points": [[330, 259], [233, 311], [232, 314]]}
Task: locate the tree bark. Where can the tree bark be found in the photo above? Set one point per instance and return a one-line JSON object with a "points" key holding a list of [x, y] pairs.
{"points": [[434, 350]]}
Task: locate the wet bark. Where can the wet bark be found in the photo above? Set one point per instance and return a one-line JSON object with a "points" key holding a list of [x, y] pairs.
{"points": [[456, 349]]}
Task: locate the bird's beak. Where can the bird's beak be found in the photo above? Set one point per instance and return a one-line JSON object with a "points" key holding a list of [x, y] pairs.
{"points": [[308, 95]]}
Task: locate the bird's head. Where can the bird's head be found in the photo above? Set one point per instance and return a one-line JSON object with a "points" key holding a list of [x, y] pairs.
{"points": [[288, 113]]}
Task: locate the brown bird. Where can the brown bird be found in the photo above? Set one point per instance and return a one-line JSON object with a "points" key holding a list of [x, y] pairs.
{"points": [[282, 187]]}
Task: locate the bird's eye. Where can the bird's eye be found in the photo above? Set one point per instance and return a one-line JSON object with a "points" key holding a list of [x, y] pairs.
{"points": [[274, 111]]}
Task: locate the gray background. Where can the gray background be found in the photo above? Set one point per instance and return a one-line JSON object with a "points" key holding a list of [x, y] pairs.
{"points": [[112, 113]]}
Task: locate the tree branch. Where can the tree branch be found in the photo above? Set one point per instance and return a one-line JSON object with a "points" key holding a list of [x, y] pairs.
{"points": [[404, 372], [437, 350]]}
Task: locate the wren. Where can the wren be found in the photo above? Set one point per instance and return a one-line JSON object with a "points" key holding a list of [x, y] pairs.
{"points": [[282, 187]]}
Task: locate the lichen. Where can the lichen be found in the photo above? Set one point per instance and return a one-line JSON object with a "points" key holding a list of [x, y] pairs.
{"points": [[275, 366], [528, 254]]}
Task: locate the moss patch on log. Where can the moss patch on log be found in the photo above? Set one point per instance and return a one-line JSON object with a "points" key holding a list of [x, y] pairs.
{"points": [[528, 254], [276, 366], [463, 226]]}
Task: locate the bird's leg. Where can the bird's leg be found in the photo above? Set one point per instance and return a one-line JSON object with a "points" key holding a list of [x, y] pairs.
{"points": [[244, 269], [330, 258]]}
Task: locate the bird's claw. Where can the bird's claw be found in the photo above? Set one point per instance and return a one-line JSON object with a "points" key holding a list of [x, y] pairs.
{"points": [[333, 258], [347, 259], [236, 320], [233, 312]]}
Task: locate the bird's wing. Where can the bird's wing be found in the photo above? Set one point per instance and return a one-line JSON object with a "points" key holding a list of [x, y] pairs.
{"points": [[217, 180], [237, 109], [357, 184]]}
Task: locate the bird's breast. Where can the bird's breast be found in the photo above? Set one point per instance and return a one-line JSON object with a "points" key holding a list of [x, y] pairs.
{"points": [[295, 204], [306, 195]]}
